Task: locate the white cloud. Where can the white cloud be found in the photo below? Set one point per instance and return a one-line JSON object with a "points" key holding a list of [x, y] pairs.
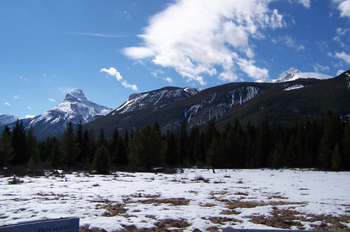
{"points": [[168, 79], [113, 72], [127, 85], [29, 107], [318, 68], [195, 37], [306, 3], [345, 57], [16, 97], [52, 100], [343, 7], [7, 104]]}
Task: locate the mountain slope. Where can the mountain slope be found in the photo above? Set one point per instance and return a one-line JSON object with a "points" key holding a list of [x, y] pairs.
{"points": [[312, 101], [196, 109], [285, 103], [75, 108], [139, 109]]}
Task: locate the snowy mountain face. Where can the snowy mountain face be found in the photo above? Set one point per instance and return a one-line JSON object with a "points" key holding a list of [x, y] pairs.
{"points": [[215, 105], [293, 74], [75, 108], [7, 119], [156, 99]]}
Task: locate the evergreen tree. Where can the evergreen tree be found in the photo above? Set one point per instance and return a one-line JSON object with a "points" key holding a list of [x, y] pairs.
{"points": [[336, 158], [101, 140], [346, 146], [6, 150], [147, 148], [19, 144], [70, 149], [55, 156], [102, 163], [113, 147], [182, 143], [32, 147], [171, 152], [79, 135], [264, 145], [332, 134]]}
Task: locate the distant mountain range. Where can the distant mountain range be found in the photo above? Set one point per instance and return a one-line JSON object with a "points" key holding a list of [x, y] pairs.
{"points": [[75, 108], [291, 98], [287, 101]]}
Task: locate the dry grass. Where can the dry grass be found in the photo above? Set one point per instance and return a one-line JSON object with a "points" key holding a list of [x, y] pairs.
{"points": [[286, 218], [157, 201], [86, 229], [223, 220], [112, 209], [160, 226]]}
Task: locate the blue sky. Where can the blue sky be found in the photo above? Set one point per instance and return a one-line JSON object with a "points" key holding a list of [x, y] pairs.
{"points": [[113, 48]]}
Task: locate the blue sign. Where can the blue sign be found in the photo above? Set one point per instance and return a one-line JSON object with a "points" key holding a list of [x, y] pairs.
{"points": [[55, 225]]}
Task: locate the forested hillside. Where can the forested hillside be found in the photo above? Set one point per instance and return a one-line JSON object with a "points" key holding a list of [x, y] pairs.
{"points": [[314, 144]]}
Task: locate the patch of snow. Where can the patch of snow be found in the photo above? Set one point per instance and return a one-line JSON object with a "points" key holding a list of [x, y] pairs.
{"points": [[293, 87], [87, 197]]}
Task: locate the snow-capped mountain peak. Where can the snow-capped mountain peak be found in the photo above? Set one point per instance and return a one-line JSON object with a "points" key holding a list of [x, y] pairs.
{"points": [[293, 74], [76, 95], [75, 108], [287, 75], [7, 119]]}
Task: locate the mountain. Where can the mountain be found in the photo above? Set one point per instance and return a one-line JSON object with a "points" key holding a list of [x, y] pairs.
{"points": [[293, 74], [7, 119], [75, 108], [280, 103], [171, 105]]}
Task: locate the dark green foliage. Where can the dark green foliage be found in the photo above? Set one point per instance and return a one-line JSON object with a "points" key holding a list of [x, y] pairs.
{"points": [[312, 144], [102, 162], [32, 148], [6, 150], [182, 144], [19, 144], [171, 152], [70, 149], [147, 149]]}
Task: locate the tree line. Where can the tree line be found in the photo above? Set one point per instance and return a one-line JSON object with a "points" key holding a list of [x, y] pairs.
{"points": [[321, 144]]}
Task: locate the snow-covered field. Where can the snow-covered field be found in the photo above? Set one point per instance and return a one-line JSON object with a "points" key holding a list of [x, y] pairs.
{"points": [[250, 199]]}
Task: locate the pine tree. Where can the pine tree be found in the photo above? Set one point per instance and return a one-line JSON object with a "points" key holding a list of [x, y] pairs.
{"points": [[336, 158], [113, 147], [171, 152], [147, 149], [331, 136], [182, 143], [6, 150], [346, 146], [32, 147], [102, 163], [79, 135], [19, 144], [70, 149]]}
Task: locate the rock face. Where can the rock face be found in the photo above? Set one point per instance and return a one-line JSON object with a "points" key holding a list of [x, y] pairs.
{"points": [[75, 108]]}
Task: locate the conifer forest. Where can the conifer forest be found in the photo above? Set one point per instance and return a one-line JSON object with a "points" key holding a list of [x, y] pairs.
{"points": [[323, 144]]}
